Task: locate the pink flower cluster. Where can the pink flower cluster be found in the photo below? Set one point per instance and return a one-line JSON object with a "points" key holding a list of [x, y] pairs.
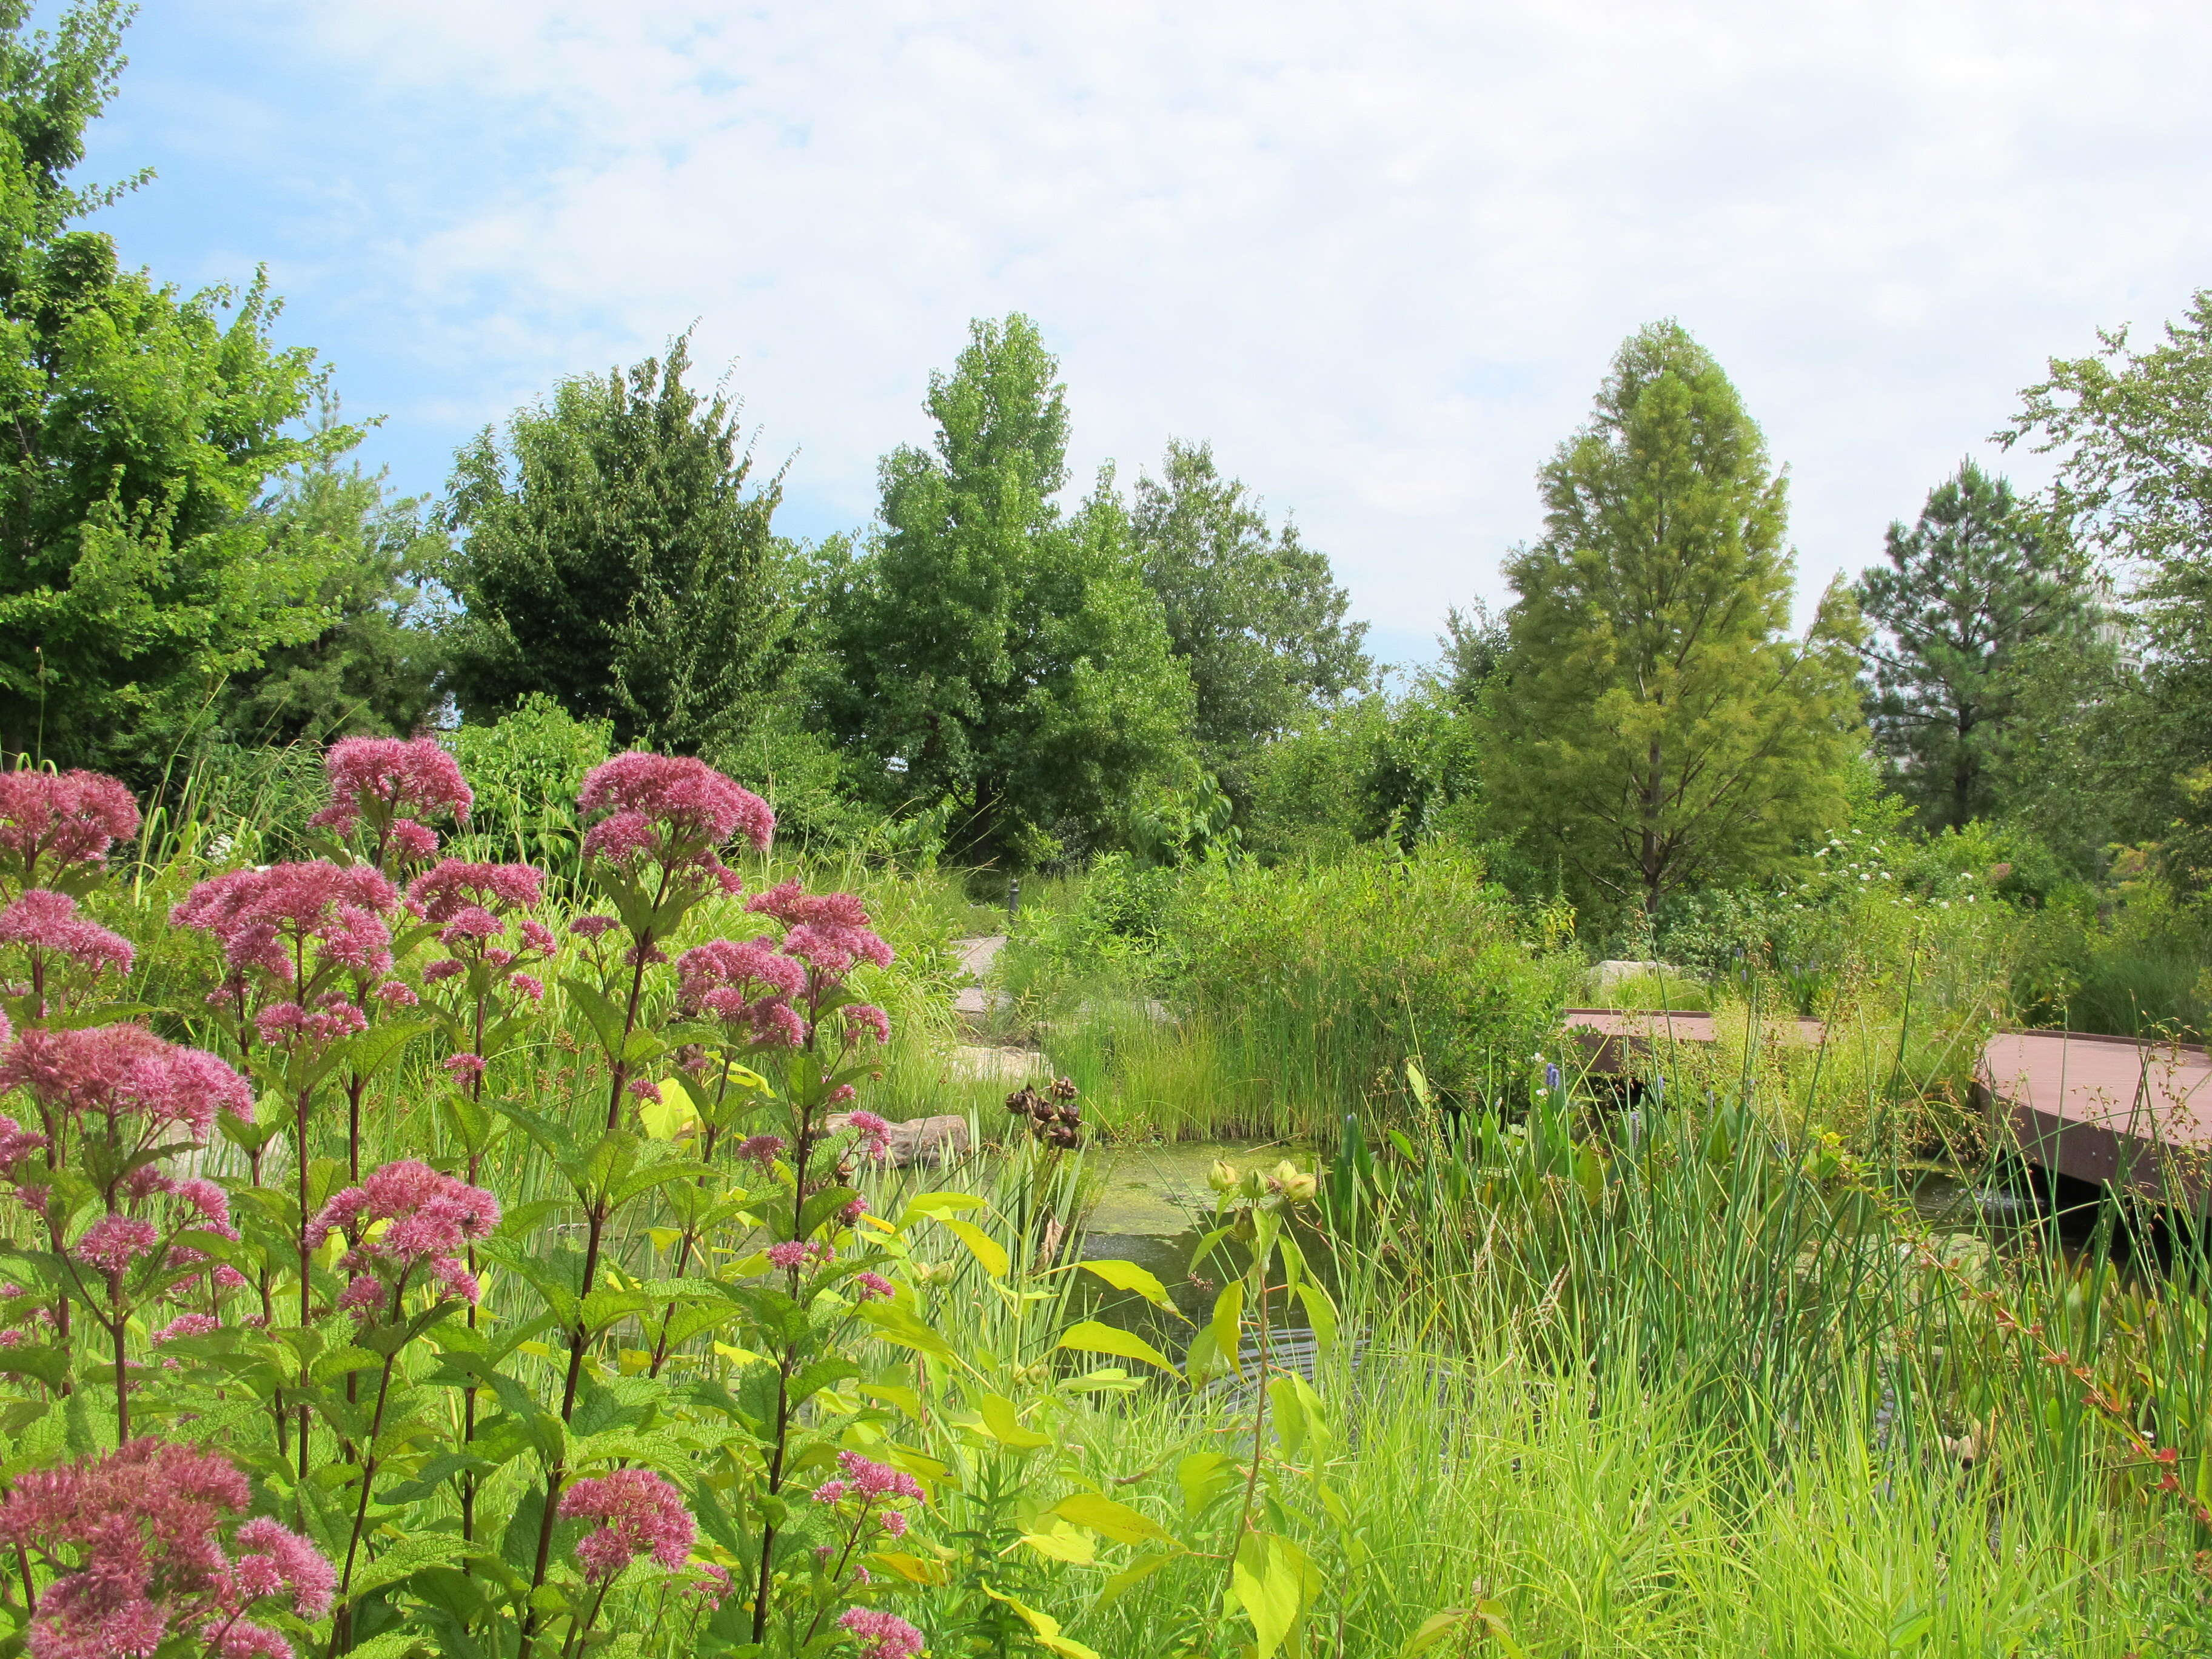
{"points": [[875, 1143], [116, 1072], [432, 1218], [468, 901], [287, 1025], [828, 932], [674, 810], [867, 1480], [112, 1243], [136, 1536], [48, 922], [69, 817], [882, 1635], [797, 1253], [454, 886], [392, 782], [745, 984], [638, 1511], [267, 920]]}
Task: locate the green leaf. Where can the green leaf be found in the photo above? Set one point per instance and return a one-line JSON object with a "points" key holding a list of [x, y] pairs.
{"points": [[829, 1201], [1117, 1521], [409, 1556], [602, 1016], [895, 1324], [1089, 1336], [378, 1047]]}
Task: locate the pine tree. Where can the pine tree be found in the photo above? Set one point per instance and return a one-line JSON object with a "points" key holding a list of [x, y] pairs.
{"points": [[1968, 588]]}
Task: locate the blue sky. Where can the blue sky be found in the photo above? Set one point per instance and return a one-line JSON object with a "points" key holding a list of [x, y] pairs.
{"points": [[1378, 255]]}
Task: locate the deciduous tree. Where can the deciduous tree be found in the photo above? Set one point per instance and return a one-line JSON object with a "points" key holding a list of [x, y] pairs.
{"points": [[613, 559], [144, 426], [1662, 727], [1007, 654], [1256, 615]]}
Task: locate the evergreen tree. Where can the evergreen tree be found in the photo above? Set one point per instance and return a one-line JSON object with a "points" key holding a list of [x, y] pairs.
{"points": [[1661, 728], [1966, 589], [136, 578], [1255, 616], [613, 561], [1008, 656]]}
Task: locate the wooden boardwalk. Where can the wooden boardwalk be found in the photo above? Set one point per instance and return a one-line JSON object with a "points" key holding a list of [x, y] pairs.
{"points": [[2106, 1110]]}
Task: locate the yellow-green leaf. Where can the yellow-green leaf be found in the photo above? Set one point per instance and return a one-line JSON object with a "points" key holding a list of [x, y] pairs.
{"points": [[1006, 1425], [1484, 1619], [898, 1396], [913, 1569], [1321, 1313], [1228, 1323], [1203, 1476], [985, 1249], [669, 1113], [1128, 1276], [922, 1205], [1089, 1336], [1117, 1521], [1135, 1573], [1046, 1628], [1268, 1576], [1061, 1543]]}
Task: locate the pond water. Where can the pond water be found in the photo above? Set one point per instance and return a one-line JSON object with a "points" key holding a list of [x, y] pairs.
{"points": [[1152, 1207]]}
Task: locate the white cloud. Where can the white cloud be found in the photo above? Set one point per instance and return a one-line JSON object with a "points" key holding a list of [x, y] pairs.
{"points": [[1379, 255]]}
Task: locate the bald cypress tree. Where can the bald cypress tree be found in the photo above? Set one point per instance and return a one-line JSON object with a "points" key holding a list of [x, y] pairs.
{"points": [[1661, 727]]}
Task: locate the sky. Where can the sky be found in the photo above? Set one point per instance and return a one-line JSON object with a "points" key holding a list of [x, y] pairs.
{"points": [[1378, 255]]}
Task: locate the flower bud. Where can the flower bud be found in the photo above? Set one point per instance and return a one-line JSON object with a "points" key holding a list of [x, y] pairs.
{"points": [[1222, 1177]]}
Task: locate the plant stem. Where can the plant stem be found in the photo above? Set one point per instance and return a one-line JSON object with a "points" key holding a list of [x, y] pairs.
{"points": [[341, 1626]]}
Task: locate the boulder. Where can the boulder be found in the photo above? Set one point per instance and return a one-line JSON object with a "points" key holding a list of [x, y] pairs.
{"points": [[919, 1139], [1607, 975]]}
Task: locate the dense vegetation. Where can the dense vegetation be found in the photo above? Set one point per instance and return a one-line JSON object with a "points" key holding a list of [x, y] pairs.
{"points": [[465, 962]]}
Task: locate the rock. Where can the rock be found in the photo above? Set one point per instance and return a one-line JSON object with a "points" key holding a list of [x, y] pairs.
{"points": [[919, 1139], [1607, 975]]}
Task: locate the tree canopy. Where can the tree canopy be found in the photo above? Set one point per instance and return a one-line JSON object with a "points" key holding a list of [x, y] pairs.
{"points": [[1968, 588], [137, 579], [1005, 655], [1662, 727], [1255, 616], [612, 559]]}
